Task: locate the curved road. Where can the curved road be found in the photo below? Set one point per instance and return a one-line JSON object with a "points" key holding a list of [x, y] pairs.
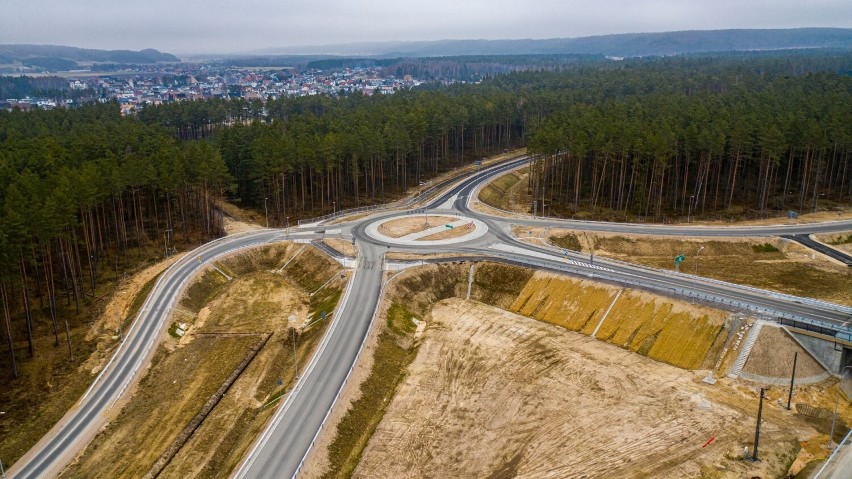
{"points": [[282, 447]]}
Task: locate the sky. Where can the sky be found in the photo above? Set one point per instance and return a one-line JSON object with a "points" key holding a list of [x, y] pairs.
{"points": [[235, 26]]}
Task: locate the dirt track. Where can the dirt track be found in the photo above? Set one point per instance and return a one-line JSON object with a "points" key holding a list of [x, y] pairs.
{"points": [[566, 405]]}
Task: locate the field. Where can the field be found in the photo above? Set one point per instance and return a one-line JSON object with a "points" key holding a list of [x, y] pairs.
{"points": [[437, 396], [213, 388]]}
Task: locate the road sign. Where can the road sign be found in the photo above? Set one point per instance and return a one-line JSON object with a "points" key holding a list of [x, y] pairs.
{"points": [[679, 259]]}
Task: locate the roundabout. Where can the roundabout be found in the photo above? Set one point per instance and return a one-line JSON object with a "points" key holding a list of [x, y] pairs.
{"points": [[439, 229]]}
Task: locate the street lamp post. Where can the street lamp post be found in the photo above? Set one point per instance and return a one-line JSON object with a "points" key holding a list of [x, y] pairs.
{"points": [[696, 260], [266, 211]]}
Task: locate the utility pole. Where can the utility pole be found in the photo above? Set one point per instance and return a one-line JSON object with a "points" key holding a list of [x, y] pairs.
{"points": [[295, 364], [757, 429], [792, 378], [266, 211]]}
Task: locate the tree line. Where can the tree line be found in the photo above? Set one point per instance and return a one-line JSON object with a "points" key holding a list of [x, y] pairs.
{"points": [[706, 153]]}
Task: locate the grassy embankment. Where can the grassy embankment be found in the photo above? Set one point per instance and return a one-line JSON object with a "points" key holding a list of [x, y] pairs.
{"points": [[506, 191], [773, 264], [226, 320]]}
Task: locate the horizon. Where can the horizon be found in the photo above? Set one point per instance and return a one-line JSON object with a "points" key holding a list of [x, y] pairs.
{"points": [[214, 27], [309, 50]]}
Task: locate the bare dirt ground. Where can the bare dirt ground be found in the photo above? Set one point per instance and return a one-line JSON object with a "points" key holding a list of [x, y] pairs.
{"points": [[772, 356], [233, 226], [448, 233], [563, 405], [119, 307], [238, 220], [412, 224], [345, 247]]}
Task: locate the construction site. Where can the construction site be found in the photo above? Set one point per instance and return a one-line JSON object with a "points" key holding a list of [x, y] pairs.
{"points": [[501, 371]]}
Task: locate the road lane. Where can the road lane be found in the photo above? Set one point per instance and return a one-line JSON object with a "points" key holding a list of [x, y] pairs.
{"points": [[284, 444], [51, 454]]}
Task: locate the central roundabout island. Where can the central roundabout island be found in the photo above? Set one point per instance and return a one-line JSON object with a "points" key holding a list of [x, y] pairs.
{"points": [[426, 229]]}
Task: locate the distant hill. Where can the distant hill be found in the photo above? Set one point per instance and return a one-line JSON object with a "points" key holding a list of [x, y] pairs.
{"points": [[57, 58], [621, 45]]}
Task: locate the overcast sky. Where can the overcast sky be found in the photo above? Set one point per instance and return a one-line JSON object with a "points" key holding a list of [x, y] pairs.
{"points": [[227, 26]]}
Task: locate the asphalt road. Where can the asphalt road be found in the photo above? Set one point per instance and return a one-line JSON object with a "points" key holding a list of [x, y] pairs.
{"points": [[51, 454], [290, 434], [817, 246], [284, 444]]}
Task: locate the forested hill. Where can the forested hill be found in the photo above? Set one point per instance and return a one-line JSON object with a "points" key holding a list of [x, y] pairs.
{"points": [[620, 45], [58, 58]]}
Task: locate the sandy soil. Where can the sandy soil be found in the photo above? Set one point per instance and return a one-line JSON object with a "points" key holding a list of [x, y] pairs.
{"points": [[772, 356], [119, 307], [345, 247], [456, 232], [563, 405], [412, 224], [233, 226]]}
